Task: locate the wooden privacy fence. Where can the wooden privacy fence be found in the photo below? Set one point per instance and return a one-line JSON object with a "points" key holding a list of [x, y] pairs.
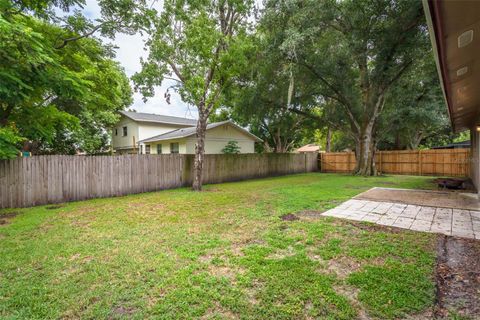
{"points": [[52, 179], [439, 162]]}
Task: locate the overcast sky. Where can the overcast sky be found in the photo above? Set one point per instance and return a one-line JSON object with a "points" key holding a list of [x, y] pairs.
{"points": [[130, 49]]}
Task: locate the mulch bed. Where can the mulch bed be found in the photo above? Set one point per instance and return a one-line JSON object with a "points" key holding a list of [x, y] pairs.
{"points": [[457, 278]]}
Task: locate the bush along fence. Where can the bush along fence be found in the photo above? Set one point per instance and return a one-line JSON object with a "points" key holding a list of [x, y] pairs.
{"points": [[438, 162], [41, 180]]}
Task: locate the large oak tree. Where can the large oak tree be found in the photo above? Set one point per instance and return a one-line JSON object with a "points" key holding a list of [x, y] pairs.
{"points": [[355, 51]]}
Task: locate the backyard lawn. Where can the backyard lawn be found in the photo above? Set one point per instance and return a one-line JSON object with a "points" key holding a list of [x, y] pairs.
{"points": [[222, 253]]}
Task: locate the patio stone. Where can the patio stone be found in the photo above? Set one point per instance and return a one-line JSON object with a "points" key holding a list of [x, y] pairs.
{"points": [[455, 222], [382, 208], [397, 209], [371, 217], [461, 215], [475, 215], [463, 233], [410, 211], [386, 221], [402, 222], [426, 213], [420, 225], [462, 225], [336, 213]]}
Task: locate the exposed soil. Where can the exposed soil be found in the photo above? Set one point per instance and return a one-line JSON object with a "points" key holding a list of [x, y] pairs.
{"points": [[457, 278], [123, 311], [310, 213], [374, 227], [53, 207], [289, 217], [5, 218]]}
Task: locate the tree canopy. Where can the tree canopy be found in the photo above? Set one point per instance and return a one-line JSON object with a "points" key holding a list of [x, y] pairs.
{"points": [[200, 45], [55, 100]]}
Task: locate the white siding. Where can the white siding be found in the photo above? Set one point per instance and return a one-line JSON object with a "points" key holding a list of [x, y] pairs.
{"points": [[120, 141], [217, 138], [148, 130]]}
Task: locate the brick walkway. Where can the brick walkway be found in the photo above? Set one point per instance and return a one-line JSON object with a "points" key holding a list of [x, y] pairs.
{"points": [[452, 222]]}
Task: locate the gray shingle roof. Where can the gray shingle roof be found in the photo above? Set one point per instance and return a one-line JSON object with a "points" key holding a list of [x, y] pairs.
{"points": [[150, 117], [187, 132]]}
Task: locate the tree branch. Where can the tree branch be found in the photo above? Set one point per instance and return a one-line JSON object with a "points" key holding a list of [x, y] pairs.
{"points": [[85, 35]]}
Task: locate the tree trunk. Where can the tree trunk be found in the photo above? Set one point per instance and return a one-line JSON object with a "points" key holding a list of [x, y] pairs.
{"points": [[365, 152], [329, 140], [199, 153]]}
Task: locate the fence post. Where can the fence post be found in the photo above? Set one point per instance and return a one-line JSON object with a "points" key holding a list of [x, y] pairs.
{"points": [[419, 162], [381, 158]]}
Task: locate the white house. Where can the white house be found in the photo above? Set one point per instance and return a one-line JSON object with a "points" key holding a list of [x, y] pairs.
{"points": [[147, 133]]}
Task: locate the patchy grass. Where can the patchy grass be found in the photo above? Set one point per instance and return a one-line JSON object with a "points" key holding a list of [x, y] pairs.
{"points": [[217, 255]]}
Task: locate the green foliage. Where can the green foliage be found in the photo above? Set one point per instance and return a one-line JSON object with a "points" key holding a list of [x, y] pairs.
{"points": [[194, 42], [415, 114], [60, 100], [231, 148], [9, 138], [259, 98]]}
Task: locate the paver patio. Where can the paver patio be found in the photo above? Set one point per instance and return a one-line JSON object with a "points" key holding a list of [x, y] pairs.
{"points": [[449, 221]]}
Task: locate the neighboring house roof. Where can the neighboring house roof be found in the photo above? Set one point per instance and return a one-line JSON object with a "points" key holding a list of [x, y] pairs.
{"points": [[309, 148], [188, 132], [156, 118], [455, 145]]}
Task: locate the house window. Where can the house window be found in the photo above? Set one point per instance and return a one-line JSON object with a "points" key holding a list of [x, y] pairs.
{"points": [[125, 131], [159, 149], [147, 149], [174, 147], [141, 149], [116, 131]]}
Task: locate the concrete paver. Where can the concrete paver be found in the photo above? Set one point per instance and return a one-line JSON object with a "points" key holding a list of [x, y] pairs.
{"points": [[456, 222]]}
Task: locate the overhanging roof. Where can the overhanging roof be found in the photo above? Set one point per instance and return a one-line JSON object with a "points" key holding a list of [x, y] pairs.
{"points": [[452, 24], [157, 118], [191, 131]]}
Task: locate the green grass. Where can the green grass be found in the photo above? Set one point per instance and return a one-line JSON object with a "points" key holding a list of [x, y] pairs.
{"points": [[222, 253]]}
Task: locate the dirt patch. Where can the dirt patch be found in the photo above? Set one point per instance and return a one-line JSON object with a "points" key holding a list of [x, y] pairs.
{"points": [[374, 227], [5, 218], [309, 213], [54, 207], [123, 311], [457, 277], [351, 294], [343, 267], [289, 217]]}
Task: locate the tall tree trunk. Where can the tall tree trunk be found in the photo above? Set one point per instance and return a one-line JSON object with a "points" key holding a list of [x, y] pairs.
{"points": [[366, 143], [199, 153], [365, 152], [329, 140]]}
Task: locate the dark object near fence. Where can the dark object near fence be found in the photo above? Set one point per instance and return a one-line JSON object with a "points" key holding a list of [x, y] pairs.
{"points": [[452, 183]]}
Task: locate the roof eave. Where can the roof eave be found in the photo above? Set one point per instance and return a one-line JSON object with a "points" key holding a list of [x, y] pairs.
{"points": [[435, 32]]}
